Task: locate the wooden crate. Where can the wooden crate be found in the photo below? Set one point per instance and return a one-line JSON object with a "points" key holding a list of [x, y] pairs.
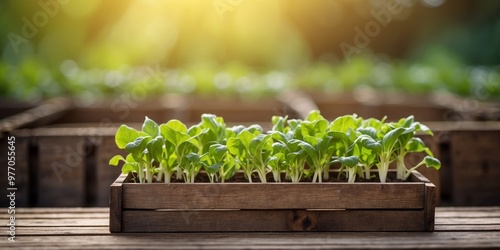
{"points": [[469, 153], [236, 110], [199, 207]]}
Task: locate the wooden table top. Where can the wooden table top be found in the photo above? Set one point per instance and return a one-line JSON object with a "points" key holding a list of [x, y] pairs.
{"points": [[87, 228]]}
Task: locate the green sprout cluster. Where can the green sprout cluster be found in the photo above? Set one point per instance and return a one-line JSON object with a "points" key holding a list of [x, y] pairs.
{"points": [[294, 149]]}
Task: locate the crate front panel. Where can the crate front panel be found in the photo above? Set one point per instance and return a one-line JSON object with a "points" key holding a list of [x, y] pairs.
{"points": [[272, 220], [408, 195]]}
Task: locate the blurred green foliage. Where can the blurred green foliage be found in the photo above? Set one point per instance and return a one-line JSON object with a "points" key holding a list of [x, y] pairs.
{"points": [[245, 48], [439, 74]]}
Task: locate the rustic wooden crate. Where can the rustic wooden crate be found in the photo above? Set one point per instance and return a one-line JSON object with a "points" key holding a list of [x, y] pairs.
{"points": [[159, 207], [469, 153]]}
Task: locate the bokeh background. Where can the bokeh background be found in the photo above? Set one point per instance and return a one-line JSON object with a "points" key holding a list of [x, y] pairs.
{"points": [[97, 48]]}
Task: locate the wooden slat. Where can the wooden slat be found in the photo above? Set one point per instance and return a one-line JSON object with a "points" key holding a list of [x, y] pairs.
{"points": [[61, 222], [24, 216], [453, 230], [471, 228], [62, 230], [116, 204], [469, 221], [58, 210], [430, 206], [272, 220], [273, 196]]}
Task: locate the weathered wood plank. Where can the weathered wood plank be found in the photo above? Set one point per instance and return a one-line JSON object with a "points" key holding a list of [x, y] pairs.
{"points": [[369, 240], [57, 210], [61, 173], [62, 222], [469, 228], [273, 195], [24, 216]]}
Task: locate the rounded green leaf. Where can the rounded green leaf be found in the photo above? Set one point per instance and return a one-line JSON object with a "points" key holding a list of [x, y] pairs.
{"points": [[349, 161], [137, 146], [125, 135], [116, 159], [432, 162]]}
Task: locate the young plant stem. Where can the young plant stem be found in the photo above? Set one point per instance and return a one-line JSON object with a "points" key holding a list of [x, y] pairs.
{"points": [[352, 175], [159, 176], [149, 174], [383, 167], [262, 175], [141, 173], [408, 172], [168, 176], [248, 171], [277, 175], [401, 168], [367, 171]]}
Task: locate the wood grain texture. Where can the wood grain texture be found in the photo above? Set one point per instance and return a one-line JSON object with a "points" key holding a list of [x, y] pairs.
{"points": [[273, 196], [456, 228], [273, 206], [272, 220]]}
